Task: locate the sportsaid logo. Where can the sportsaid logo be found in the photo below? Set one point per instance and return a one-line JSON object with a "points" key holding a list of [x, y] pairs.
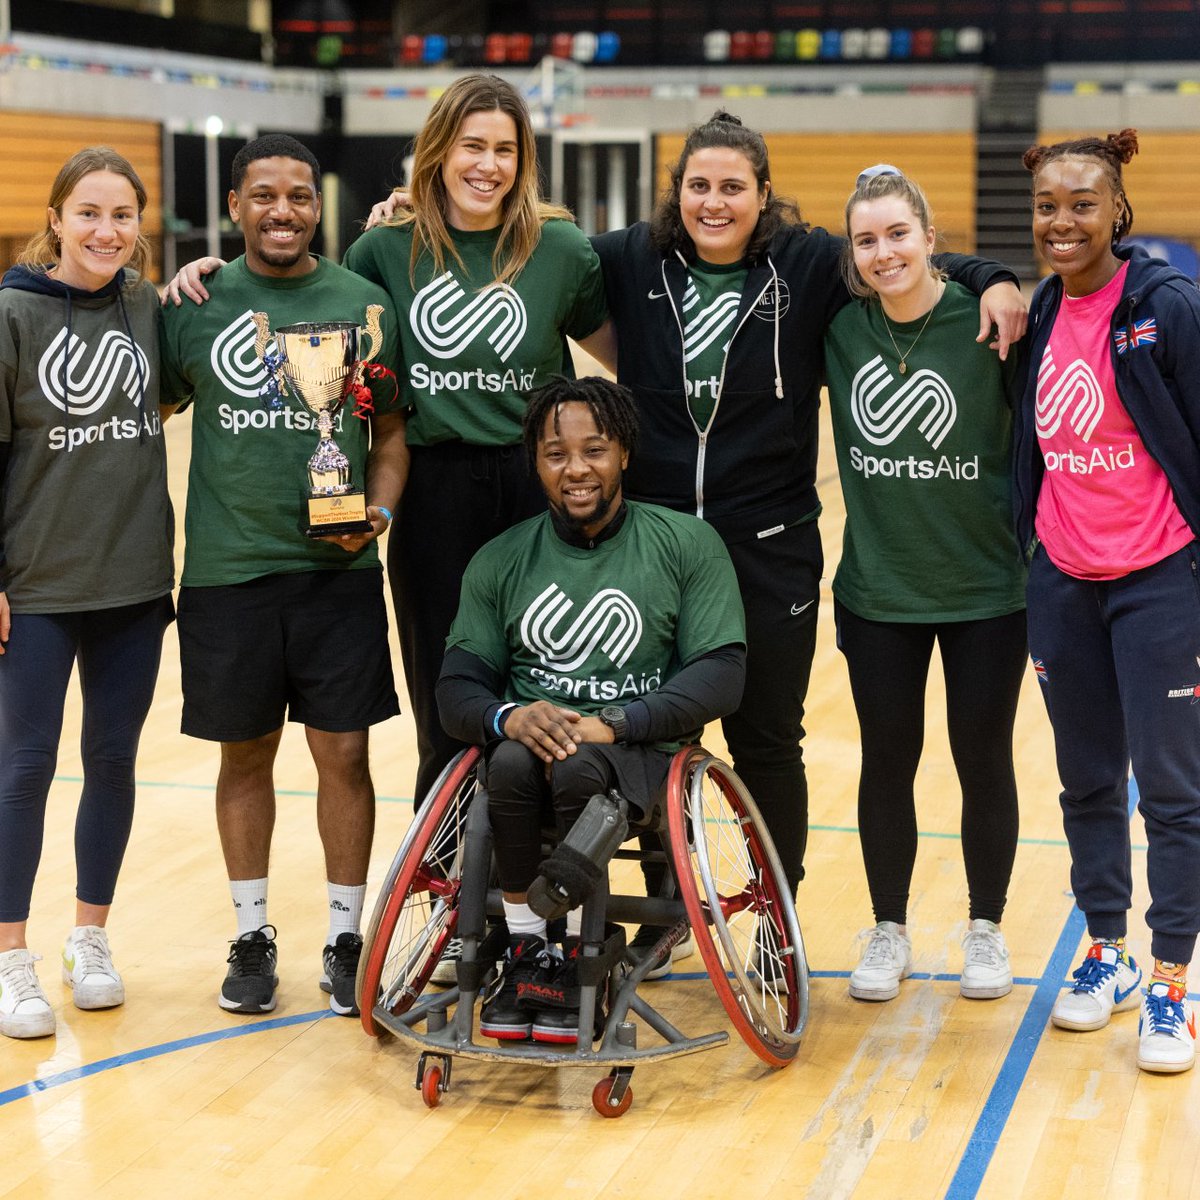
{"points": [[703, 326], [610, 622], [446, 321], [79, 380], [883, 412], [1074, 396], [446, 326], [236, 363]]}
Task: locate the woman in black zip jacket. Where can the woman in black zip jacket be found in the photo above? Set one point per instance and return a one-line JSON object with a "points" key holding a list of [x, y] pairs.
{"points": [[720, 305]]}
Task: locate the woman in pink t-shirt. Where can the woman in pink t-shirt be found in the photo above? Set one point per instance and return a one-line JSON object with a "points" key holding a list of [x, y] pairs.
{"points": [[1108, 496]]}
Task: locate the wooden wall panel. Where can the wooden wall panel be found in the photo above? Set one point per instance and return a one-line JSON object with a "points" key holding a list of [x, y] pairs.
{"points": [[33, 146], [818, 171]]}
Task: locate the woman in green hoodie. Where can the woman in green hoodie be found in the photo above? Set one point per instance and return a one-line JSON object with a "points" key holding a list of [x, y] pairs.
{"points": [[86, 563]]}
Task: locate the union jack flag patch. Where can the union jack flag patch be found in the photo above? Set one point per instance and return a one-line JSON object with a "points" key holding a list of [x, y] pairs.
{"points": [[1039, 669], [1142, 333]]}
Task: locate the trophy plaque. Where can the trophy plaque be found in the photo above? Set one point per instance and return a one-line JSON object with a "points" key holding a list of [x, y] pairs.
{"points": [[319, 363]]}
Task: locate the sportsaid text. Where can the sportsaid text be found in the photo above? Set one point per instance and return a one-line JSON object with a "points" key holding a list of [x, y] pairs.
{"points": [[593, 688], [115, 429], [425, 379], [238, 419], [913, 467]]}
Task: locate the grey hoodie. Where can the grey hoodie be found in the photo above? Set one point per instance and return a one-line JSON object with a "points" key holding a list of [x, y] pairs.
{"points": [[85, 520]]}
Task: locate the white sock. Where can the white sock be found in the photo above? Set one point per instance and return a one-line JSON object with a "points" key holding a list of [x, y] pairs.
{"points": [[575, 922], [522, 920], [250, 903], [345, 909]]}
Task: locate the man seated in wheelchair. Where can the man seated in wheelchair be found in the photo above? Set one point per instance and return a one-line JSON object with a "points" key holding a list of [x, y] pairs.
{"points": [[591, 642]]}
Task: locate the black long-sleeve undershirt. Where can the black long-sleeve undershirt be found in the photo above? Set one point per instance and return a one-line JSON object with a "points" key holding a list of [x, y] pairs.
{"points": [[469, 696]]}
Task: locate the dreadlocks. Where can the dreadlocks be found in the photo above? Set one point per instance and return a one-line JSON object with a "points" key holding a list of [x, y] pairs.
{"points": [[611, 405]]}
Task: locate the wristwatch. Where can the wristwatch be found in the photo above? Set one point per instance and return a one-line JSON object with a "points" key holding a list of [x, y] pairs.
{"points": [[614, 717]]}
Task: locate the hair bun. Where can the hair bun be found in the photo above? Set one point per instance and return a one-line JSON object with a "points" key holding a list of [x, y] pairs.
{"points": [[1123, 145], [725, 118]]}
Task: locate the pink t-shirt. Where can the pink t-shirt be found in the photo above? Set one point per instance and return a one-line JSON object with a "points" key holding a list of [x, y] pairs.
{"points": [[1105, 507]]}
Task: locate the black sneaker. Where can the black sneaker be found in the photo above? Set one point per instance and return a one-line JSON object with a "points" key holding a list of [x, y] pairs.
{"points": [[341, 970], [554, 1001], [526, 961], [251, 981], [643, 942]]}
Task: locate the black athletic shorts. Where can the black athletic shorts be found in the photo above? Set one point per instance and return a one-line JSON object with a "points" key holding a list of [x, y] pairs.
{"points": [[311, 647]]}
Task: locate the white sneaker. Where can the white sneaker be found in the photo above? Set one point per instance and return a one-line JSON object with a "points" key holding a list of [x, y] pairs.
{"points": [[986, 973], [886, 960], [445, 971], [87, 968], [24, 1010], [1166, 1030], [1106, 981]]}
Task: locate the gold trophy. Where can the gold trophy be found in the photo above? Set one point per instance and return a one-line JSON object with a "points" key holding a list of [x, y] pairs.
{"points": [[319, 363]]}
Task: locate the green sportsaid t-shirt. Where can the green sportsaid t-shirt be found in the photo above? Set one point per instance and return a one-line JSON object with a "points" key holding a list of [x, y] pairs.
{"points": [[710, 306], [924, 462], [248, 482], [473, 349], [585, 628]]}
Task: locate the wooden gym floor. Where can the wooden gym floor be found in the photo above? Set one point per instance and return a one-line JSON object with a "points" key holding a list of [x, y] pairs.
{"points": [[927, 1096]]}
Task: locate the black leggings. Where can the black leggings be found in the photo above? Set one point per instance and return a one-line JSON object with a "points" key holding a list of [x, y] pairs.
{"points": [[983, 662], [117, 650]]}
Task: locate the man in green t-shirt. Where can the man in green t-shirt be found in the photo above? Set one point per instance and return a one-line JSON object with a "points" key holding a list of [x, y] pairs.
{"points": [[274, 623], [590, 642]]}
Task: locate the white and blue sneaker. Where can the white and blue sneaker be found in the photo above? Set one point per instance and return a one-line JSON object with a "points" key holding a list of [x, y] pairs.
{"points": [[1106, 982], [1166, 1030]]}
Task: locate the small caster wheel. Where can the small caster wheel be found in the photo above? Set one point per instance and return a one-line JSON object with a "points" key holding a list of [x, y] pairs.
{"points": [[431, 1086], [602, 1102]]}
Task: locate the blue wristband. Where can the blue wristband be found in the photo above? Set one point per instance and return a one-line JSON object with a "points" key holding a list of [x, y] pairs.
{"points": [[498, 719], [387, 512]]}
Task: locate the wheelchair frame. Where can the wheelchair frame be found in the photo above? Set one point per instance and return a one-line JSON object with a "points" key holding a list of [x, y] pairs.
{"points": [[438, 888]]}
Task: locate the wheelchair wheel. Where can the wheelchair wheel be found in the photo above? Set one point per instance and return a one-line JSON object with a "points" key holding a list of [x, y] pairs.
{"points": [[738, 903], [417, 910]]}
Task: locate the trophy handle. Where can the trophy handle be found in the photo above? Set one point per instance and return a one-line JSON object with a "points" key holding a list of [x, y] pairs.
{"points": [[374, 332], [263, 338]]}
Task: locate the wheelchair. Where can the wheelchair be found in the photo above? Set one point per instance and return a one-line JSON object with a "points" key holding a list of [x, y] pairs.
{"points": [[724, 882]]}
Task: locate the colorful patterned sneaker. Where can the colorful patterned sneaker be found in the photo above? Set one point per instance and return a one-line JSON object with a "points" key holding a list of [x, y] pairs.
{"points": [[445, 972], [1166, 1030], [986, 973], [87, 969], [341, 971], [525, 961], [644, 940], [251, 981], [886, 960], [1106, 981], [24, 1010]]}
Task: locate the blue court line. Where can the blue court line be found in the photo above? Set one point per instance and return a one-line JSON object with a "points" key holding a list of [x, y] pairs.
{"points": [[120, 1060], [999, 1105]]}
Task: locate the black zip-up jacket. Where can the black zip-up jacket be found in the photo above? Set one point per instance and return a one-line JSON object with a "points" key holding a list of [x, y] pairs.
{"points": [[1157, 379], [753, 468]]}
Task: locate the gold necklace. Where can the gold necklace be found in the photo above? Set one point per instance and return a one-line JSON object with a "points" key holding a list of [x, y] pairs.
{"points": [[904, 357]]}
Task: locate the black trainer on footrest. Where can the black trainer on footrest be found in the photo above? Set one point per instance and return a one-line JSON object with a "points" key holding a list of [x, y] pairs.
{"points": [[579, 861]]}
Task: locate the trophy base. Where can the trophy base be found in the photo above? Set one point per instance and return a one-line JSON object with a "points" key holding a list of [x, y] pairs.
{"points": [[333, 516]]}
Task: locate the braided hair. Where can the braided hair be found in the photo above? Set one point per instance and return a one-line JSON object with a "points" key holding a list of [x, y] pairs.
{"points": [[611, 405], [721, 131], [1111, 152]]}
